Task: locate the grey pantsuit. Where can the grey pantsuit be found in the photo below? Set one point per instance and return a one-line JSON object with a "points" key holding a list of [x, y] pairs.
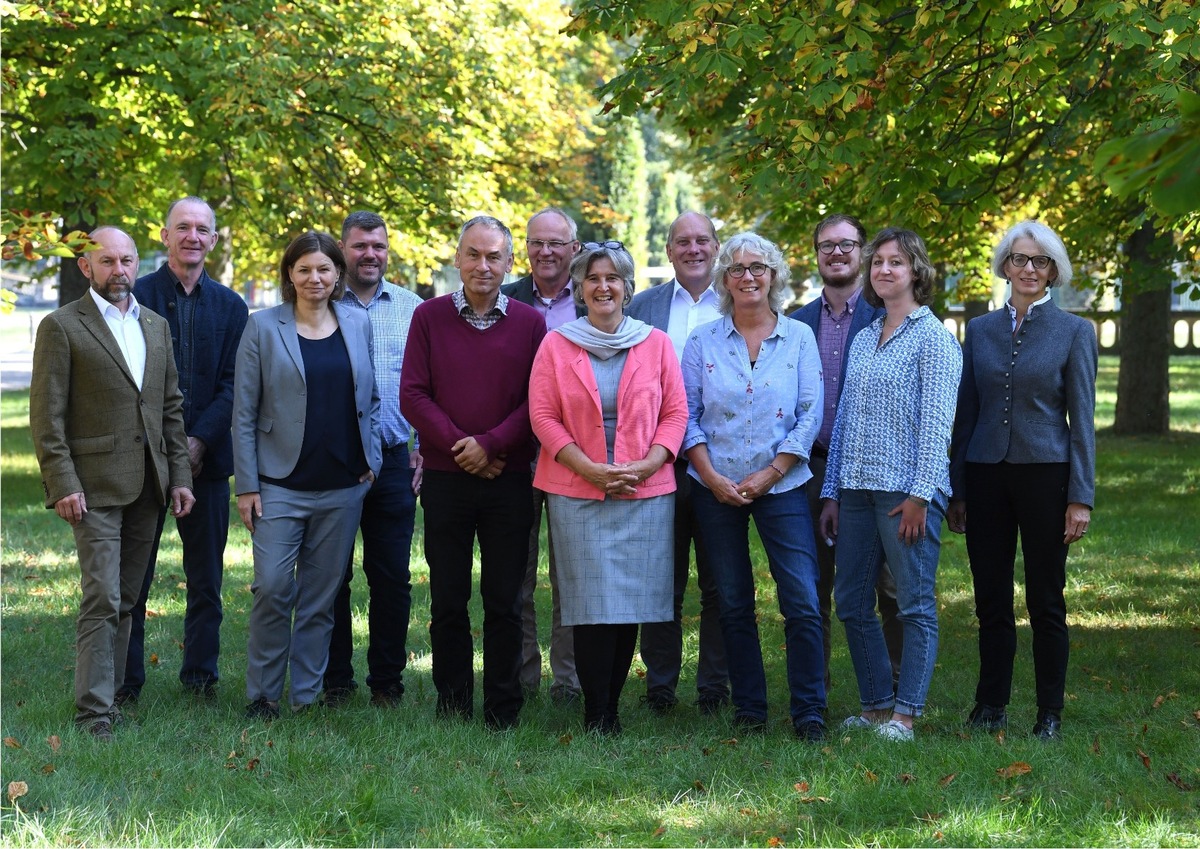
{"points": [[301, 545]]}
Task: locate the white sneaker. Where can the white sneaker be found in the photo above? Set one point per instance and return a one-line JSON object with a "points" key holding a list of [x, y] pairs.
{"points": [[857, 721], [894, 729]]}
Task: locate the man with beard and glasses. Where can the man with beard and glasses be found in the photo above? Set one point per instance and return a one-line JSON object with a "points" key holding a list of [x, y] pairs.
{"points": [[390, 507], [206, 321], [106, 417], [835, 318], [551, 239]]}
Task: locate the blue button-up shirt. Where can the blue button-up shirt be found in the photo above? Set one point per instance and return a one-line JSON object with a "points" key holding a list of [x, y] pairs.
{"points": [[390, 312], [748, 414], [892, 432]]}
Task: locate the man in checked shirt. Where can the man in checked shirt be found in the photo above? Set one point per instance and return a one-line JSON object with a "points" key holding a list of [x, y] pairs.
{"points": [[390, 506]]}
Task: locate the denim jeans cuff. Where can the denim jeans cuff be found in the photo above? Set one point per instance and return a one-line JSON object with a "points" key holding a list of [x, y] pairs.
{"points": [[906, 709], [883, 704]]}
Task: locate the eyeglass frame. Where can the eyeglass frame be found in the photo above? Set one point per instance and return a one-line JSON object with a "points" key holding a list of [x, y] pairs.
{"points": [[607, 244], [738, 275], [1028, 258], [552, 244], [827, 248]]}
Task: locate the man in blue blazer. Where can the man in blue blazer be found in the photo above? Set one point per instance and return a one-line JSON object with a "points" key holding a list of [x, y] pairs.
{"points": [[835, 318], [206, 321], [677, 308]]}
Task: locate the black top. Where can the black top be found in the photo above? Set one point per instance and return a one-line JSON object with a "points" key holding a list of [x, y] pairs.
{"points": [[331, 456]]}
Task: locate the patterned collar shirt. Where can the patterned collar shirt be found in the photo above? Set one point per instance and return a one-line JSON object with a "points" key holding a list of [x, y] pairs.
{"points": [[746, 414], [892, 432], [127, 332], [480, 322], [833, 331], [390, 311]]}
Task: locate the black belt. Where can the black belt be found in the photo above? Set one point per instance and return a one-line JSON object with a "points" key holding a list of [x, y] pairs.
{"points": [[819, 452]]}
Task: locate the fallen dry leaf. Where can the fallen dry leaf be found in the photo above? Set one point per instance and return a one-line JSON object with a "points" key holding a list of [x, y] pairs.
{"points": [[946, 780], [774, 842], [11, 743], [230, 765], [1144, 758], [659, 832], [1196, 713], [1001, 736], [732, 741], [153, 659], [699, 785], [907, 778], [565, 739], [1174, 778], [808, 800], [252, 763], [801, 786], [1014, 769], [55, 742], [937, 835], [929, 817], [1096, 744], [1158, 702], [748, 812], [17, 789], [47, 769], [870, 777]]}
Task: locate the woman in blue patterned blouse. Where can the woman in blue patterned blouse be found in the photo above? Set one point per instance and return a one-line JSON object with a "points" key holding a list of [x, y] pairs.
{"points": [[887, 482], [753, 381]]}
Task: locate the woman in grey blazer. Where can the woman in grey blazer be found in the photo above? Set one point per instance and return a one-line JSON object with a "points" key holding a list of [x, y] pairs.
{"points": [[306, 442], [1023, 460]]}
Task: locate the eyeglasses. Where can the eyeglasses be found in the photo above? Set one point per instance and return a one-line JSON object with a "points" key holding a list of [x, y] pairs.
{"points": [[756, 269], [611, 244], [1039, 261], [552, 244], [845, 246]]}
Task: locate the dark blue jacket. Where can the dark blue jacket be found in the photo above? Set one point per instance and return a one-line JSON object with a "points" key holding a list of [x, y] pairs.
{"points": [[219, 319]]}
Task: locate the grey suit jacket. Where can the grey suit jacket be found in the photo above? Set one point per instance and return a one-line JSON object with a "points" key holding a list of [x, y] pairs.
{"points": [[1029, 398], [811, 314], [522, 290], [270, 394], [653, 306], [90, 423]]}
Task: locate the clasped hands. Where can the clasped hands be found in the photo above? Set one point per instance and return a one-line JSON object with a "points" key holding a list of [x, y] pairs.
{"points": [[471, 458], [754, 485]]}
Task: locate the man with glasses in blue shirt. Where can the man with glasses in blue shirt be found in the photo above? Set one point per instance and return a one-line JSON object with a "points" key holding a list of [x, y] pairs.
{"points": [[835, 318], [551, 237]]}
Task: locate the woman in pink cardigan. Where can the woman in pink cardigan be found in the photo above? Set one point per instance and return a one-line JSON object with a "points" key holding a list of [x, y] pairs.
{"points": [[607, 404]]}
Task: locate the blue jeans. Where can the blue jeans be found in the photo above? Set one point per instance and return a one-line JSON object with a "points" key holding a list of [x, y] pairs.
{"points": [[786, 531], [867, 536]]}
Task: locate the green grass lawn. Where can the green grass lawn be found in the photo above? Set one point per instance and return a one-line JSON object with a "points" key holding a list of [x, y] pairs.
{"points": [[183, 773]]}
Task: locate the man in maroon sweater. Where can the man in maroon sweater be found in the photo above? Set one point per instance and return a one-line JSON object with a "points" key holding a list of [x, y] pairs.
{"points": [[465, 388]]}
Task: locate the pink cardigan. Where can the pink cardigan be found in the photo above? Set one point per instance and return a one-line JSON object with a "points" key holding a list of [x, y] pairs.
{"points": [[564, 407]]}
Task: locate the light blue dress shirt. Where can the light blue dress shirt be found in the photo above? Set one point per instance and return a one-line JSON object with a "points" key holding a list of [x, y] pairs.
{"points": [[390, 312], [746, 414]]}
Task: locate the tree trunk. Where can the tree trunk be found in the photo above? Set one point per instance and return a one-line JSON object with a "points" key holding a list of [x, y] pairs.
{"points": [[1143, 383], [71, 282]]}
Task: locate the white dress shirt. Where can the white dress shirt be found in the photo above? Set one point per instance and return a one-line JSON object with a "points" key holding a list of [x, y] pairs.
{"points": [[127, 331], [688, 313]]}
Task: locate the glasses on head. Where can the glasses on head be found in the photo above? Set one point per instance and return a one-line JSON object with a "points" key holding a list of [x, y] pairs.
{"points": [[756, 269], [611, 244], [552, 244], [845, 246], [1039, 261]]}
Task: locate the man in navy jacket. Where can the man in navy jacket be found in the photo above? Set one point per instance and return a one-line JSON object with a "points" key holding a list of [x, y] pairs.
{"points": [[206, 321], [835, 318]]}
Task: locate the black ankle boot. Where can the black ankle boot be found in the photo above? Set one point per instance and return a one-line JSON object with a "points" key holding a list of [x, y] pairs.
{"points": [[1049, 725], [988, 718]]}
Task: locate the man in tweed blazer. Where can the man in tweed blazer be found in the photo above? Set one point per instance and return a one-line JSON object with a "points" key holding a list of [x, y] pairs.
{"points": [[105, 412]]}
